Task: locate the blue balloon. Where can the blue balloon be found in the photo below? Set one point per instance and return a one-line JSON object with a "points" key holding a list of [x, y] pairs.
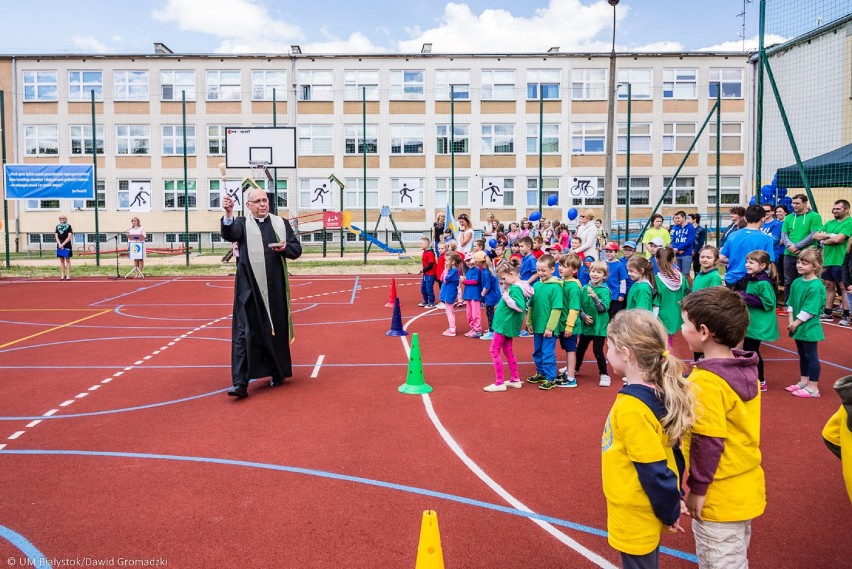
{"points": [[782, 192], [535, 216], [786, 201], [492, 243], [753, 200], [552, 200], [572, 213], [767, 191]]}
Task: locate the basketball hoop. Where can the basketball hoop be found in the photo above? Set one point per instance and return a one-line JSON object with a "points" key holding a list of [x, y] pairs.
{"points": [[260, 168]]}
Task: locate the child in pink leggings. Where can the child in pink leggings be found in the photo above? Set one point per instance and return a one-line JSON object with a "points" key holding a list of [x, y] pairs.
{"points": [[508, 318]]}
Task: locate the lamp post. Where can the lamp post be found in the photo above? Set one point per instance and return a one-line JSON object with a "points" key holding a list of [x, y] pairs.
{"points": [[609, 182]]}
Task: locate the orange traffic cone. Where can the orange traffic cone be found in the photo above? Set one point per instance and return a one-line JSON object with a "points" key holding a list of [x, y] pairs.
{"points": [[391, 294]]}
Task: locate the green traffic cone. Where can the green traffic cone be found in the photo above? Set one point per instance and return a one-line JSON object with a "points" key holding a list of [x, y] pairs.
{"points": [[414, 383]]}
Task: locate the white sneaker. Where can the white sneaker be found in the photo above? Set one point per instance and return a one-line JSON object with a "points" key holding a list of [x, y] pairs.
{"points": [[514, 384], [844, 321], [494, 388], [605, 381], [563, 370], [441, 305]]}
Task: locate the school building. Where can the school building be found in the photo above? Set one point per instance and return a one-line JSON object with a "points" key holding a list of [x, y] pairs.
{"points": [[452, 126]]}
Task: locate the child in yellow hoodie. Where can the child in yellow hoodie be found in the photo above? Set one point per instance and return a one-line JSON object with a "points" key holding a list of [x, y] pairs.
{"points": [[726, 480]]}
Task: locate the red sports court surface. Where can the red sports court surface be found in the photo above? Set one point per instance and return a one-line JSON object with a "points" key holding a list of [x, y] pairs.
{"points": [[119, 442]]}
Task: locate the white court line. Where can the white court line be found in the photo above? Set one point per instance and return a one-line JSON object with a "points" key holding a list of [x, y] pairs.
{"points": [[15, 435], [51, 413], [317, 366], [32, 424], [66, 403], [2, 446], [490, 482]]}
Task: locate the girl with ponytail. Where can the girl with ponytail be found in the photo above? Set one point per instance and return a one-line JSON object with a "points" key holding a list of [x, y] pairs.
{"points": [[641, 460]]}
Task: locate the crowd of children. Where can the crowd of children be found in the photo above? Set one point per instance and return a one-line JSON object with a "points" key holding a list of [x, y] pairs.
{"points": [[664, 427]]}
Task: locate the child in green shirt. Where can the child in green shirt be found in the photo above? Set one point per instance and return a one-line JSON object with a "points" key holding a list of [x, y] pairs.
{"points": [[759, 296], [595, 299], [545, 308], [571, 288], [708, 259], [643, 293], [804, 304], [672, 287]]}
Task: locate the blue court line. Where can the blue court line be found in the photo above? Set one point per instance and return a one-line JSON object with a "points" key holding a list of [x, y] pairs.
{"points": [[355, 288], [35, 556], [345, 478], [821, 360]]}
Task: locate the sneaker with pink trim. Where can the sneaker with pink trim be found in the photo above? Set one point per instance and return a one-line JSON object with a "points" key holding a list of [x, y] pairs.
{"points": [[805, 393], [449, 332]]}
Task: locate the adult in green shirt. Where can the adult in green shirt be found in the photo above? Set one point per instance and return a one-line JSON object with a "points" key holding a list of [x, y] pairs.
{"points": [[834, 237], [797, 234], [656, 230]]}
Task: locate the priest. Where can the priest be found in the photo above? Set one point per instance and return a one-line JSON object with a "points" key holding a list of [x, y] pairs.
{"points": [[262, 329]]}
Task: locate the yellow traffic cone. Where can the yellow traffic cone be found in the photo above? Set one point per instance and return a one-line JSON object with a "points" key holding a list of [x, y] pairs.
{"points": [[429, 553]]}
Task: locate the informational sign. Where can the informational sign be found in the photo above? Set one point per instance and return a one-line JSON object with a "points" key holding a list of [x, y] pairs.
{"points": [[332, 220], [321, 194], [409, 193], [137, 250], [49, 181], [492, 192], [140, 197]]}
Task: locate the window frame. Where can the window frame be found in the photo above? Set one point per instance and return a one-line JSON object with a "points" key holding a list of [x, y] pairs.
{"points": [[307, 133], [734, 197], [218, 88], [459, 138], [405, 133], [79, 90], [462, 193], [579, 78], [123, 85], [174, 138], [711, 82], [490, 143], [309, 88], [673, 196], [260, 81], [89, 205], [532, 138], [725, 136], [671, 77], [38, 136], [670, 140], [192, 194], [535, 83], [497, 90], [585, 138], [129, 138], [353, 193], [354, 139], [621, 191], [175, 85], [400, 86], [123, 192], [639, 89], [83, 140], [36, 84], [637, 139], [219, 137], [447, 78], [550, 187], [353, 83]]}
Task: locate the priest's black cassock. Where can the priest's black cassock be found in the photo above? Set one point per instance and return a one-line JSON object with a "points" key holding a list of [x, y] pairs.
{"points": [[257, 352]]}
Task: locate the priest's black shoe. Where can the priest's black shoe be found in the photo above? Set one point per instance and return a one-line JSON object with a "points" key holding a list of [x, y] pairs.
{"points": [[239, 391], [276, 382]]}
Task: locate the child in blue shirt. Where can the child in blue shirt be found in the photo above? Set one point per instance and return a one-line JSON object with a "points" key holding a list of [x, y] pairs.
{"points": [[616, 280], [628, 250], [528, 269], [450, 289], [583, 273]]}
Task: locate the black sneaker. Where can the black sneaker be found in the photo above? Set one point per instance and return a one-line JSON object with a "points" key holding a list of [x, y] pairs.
{"points": [[537, 378], [547, 384]]}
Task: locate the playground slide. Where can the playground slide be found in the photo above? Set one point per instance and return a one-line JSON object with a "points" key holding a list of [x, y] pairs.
{"points": [[354, 229]]}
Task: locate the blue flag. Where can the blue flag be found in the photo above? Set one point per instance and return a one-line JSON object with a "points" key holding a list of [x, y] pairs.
{"points": [[450, 222]]}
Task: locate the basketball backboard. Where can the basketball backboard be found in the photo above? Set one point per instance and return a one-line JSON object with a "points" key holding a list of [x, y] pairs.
{"points": [[245, 147]]}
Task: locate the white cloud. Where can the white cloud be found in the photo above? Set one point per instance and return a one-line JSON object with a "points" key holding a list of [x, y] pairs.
{"points": [[243, 26], [751, 44], [90, 44], [568, 24]]}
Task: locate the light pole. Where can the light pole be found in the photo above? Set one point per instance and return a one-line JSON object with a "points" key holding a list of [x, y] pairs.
{"points": [[609, 182]]}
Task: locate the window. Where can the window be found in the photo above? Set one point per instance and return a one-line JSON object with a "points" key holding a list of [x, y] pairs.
{"points": [[215, 140], [507, 185], [407, 85], [456, 81], [133, 139], [353, 195], [680, 83], [41, 140], [43, 204], [543, 83], [124, 187], [550, 187], [678, 136], [315, 86], [461, 139], [37, 238], [587, 191], [498, 85], [214, 196], [282, 190], [682, 191], [550, 140], [131, 85], [360, 84], [314, 139], [640, 191], [264, 81], [640, 83], [355, 139], [173, 194], [731, 80], [81, 139], [82, 83], [397, 183], [182, 238], [498, 139], [640, 138], [587, 138], [174, 83], [41, 86], [100, 194], [729, 191], [223, 86], [444, 193], [589, 84], [732, 137], [406, 138], [173, 140]]}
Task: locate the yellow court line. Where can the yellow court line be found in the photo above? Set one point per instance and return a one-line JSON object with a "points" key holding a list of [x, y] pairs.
{"points": [[55, 328]]}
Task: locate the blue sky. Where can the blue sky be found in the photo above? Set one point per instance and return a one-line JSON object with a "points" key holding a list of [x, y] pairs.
{"points": [[261, 26]]}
